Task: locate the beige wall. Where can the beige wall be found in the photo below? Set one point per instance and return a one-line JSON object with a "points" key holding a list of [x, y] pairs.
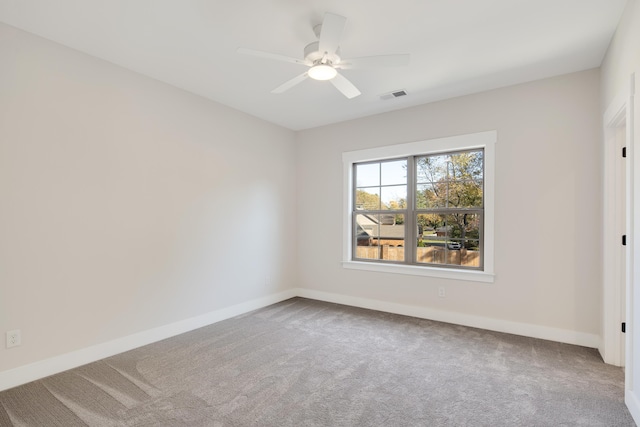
{"points": [[127, 204], [548, 199]]}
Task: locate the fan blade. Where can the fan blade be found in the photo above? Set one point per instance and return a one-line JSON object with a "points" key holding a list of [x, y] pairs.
{"points": [[345, 86], [397, 60], [268, 55], [331, 32], [291, 83]]}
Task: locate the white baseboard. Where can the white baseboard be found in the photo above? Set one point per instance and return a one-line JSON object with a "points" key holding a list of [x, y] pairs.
{"points": [[524, 329], [633, 404], [54, 365], [34, 371]]}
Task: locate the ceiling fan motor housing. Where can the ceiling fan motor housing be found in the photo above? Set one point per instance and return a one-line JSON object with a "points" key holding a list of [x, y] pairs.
{"points": [[313, 54]]}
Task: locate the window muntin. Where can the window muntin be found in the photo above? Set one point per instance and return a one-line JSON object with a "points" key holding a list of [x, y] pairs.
{"points": [[434, 200]]}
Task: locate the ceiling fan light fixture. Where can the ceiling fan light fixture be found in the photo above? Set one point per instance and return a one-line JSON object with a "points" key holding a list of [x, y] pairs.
{"points": [[322, 72]]}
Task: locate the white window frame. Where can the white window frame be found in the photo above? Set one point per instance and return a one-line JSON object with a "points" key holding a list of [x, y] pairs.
{"points": [[484, 140]]}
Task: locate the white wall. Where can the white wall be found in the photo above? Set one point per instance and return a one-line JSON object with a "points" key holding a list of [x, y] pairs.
{"points": [[621, 62], [547, 213], [127, 204]]}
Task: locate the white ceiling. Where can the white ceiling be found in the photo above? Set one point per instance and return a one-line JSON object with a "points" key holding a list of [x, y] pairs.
{"points": [[457, 46]]}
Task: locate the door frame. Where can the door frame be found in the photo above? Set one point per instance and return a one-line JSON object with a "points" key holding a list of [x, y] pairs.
{"points": [[618, 203]]}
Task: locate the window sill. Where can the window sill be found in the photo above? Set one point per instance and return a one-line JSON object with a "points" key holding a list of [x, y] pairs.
{"points": [[443, 273]]}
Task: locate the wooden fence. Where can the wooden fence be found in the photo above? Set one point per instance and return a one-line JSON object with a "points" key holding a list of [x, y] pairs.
{"points": [[430, 254]]}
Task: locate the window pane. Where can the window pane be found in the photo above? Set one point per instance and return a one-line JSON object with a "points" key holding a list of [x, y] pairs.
{"points": [[394, 172], [463, 194], [467, 165], [431, 169], [368, 175], [430, 248], [394, 197], [368, 198], [428, 224], [463, 226], [450, 180], [428, 196], [367, 231], [449, 239], [378, 237]]}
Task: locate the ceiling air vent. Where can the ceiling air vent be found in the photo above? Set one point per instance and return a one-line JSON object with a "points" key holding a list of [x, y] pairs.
{"points": [[394, 94]]}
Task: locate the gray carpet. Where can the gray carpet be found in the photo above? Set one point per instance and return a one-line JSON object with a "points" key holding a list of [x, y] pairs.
{"points": [[309, 363]]}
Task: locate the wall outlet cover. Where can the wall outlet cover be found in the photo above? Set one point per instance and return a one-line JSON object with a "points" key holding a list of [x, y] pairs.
{"points": [[14, 338]]}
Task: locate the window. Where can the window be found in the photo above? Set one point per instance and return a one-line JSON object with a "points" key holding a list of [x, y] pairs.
{"points": [[423, 208]]}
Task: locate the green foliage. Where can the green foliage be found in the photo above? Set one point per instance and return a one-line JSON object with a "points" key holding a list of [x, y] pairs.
{"points": [[370, 201], [430, 221], [367, 201], [395, 205]]}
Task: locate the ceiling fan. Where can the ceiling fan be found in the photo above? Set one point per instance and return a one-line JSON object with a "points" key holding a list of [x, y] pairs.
{"points": [[323, 58]]}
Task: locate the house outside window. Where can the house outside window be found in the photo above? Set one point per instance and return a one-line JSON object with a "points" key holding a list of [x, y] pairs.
{"points": [[423, 208]]}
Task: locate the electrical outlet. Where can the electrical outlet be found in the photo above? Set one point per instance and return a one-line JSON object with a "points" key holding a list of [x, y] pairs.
{"points": [[13, 338], [441, 292]]}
